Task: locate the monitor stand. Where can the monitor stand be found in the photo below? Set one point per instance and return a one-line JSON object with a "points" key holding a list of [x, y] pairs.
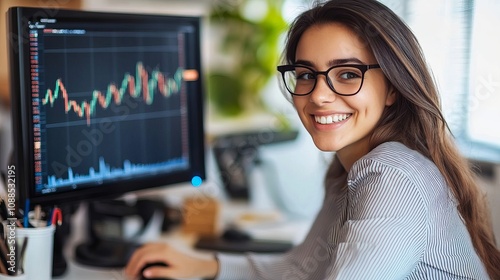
{"points": [[105, 253], [106, 245]]}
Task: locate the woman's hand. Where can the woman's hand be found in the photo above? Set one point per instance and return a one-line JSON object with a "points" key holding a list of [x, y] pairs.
{"points": [[179, 264]]}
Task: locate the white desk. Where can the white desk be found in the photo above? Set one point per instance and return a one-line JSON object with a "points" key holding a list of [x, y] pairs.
{"points": [[76, 271], [288, 230]]}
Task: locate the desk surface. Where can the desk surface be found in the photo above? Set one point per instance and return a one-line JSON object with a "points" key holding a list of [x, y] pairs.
{"points": [[76, 271], [288, 230]]}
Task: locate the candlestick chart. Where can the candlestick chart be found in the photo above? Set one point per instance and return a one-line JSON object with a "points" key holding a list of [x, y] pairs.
{"points": [[136, 86], [112, 105]]}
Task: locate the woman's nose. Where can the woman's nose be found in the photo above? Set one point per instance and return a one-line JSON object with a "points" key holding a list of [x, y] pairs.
{"points": [[322, 93]]}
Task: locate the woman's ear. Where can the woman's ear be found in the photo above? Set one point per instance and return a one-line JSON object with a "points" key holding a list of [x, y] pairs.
{"points": [[392, 94]]}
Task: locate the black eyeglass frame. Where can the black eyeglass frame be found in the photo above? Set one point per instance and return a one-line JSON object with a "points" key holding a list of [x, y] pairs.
{"points": [[290, 67]]}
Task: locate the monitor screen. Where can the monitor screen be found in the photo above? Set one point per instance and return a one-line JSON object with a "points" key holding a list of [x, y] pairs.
{"points": [[104, 103]]}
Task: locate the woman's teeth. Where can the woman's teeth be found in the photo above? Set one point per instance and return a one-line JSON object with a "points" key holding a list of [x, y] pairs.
{"points": [[332, 118]]}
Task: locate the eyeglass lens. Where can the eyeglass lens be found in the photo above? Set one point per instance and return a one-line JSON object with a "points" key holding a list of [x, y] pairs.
{"points": [[343, 80]]}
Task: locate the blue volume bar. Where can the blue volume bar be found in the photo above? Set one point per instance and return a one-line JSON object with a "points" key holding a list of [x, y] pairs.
{"points": [[107, 172]]}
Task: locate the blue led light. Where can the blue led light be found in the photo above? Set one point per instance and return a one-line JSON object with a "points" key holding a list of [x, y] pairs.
{"points": [[196, 181]]}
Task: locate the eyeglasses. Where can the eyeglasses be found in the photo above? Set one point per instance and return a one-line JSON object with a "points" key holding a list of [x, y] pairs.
{"points": [[345, 79]]}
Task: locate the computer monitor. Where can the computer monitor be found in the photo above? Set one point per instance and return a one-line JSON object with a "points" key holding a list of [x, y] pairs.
{"points": [[103, 103]]}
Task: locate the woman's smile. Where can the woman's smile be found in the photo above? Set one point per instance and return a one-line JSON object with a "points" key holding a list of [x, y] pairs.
{"points": [[334, 118]]}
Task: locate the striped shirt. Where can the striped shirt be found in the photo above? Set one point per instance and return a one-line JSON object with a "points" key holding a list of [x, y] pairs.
{"points": [[396, 219]]}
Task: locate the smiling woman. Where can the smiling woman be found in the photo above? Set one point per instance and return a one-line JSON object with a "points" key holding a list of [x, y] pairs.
{"points": [[409, 101], [400, 202]]}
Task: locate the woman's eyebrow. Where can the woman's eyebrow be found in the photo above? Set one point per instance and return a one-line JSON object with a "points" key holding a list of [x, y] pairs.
{"points": [[333, 62], [340, 61], [304, 62]]}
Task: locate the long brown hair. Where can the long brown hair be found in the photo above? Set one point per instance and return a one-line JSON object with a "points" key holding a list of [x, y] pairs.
{"points": [[417, 107]]}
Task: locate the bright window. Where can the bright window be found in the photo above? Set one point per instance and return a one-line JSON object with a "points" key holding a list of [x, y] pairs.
{"points": [[459, 40]]}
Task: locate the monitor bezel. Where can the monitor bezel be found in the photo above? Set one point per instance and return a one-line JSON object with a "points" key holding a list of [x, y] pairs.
{"points": [[23, 160]]}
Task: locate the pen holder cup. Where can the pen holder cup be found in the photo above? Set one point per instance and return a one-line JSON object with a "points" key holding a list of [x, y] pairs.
{"points": [[36, 261]]}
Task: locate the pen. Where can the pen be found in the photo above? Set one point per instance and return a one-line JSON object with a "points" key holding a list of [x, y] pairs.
{"points": [[38, 212], [26, 213], [3, 209], [55, 216], [20, 267], [4, 176]]}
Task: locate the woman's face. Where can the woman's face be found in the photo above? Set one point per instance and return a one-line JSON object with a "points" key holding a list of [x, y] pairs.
{"points": [[340, 123]]}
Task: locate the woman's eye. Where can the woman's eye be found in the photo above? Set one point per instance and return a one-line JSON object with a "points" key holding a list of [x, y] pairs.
{"points": [[305, 76], [349, 75]]}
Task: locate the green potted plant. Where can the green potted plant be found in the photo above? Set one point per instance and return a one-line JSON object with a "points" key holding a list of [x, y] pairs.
{"points": [[251, 31]]}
